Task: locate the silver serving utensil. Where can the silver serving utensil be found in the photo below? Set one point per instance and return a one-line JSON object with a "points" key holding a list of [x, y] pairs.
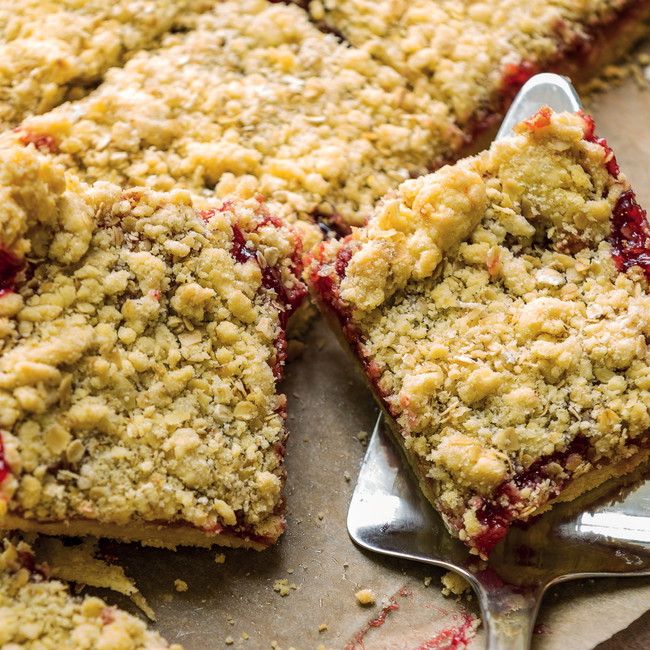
{"points": [[606, 532]]}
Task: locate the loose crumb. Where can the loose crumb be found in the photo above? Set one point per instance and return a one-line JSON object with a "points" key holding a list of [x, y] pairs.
{"points": [[322, 627], [283, 587], [245, 636], [362, 436], [347, 476], [454, 584], [220, 558], [427, 581], [229, 640], [180, 585], [289, 571], [366, 596], [321, 515], [167, 598]]}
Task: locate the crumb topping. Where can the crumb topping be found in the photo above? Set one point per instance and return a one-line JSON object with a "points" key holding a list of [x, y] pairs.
{"points": [[52, 51], [140, 346], [255, 98], [464, 53], [39, 613], [489, 309]]}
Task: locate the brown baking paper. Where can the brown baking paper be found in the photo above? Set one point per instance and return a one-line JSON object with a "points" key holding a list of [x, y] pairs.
{"points": [[234, 604]]}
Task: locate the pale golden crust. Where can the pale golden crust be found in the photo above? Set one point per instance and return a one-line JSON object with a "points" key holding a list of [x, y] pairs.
{"points": [[509, 342], [139, 356], [40, 614]]}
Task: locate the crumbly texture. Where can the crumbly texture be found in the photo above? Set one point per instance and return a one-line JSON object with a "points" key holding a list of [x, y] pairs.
{"points": [[464, 53], [141, 345], [486, 306], [454, 583], [39, 614], [256, 98], [52, 51], [365, 597]]}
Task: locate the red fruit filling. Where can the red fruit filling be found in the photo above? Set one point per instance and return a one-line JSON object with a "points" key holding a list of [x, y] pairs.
{"points": [[10, 267], [4, 468], [44, 142]]}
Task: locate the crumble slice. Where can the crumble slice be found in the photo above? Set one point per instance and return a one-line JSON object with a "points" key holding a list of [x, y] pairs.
{"points": [[474, 56], [141, 342], [52, 51], [37, 613], [499, 308], [255, 98]]}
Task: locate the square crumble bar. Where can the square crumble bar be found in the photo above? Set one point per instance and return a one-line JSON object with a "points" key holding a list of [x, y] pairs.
{"points": [[141, 342], [500, 310]]}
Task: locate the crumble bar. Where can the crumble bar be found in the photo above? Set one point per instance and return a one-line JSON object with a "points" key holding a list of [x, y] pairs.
{"points": [[499, 308], [52, 51], [474, 56], [255, 98], [37, 613], [141, 342]]}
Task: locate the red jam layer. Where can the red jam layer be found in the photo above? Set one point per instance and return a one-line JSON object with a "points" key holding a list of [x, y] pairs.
{"points": [[4, 468], [10, 267], [630, 234]]}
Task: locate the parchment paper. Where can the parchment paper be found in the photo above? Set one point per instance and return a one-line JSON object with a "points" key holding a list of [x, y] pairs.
{"points": [[329, 407]]}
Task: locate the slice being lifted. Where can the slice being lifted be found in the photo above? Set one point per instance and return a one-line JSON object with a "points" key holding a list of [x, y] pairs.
{"points": [[500, 310], [141, 345], [39, 613]]}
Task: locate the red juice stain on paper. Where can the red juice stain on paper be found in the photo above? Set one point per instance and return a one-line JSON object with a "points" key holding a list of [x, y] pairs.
{"points": [[378, 621], [453, 638]]}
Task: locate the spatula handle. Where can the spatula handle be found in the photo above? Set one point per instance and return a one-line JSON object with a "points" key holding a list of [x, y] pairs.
{"points": [[509, 617]]}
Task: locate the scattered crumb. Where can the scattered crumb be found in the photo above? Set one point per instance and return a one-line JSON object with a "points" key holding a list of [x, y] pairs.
{"points": [[365, 596], [274, 645], [427, 581], [245, 636], [230, 619], [283, 587], [321, 515], [167, 598], [362, 436], [220, 558], [305, 439], [345, 565], [180, 585], [454, 584], [289, 571], [347, 476], [229, 640], [322, 627]]}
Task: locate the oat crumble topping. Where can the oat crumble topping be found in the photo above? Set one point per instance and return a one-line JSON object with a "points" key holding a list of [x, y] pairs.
{"points": [[255, 98], [487, 307], [52, 51], [461, 53], [37, 613], [141, 342]]}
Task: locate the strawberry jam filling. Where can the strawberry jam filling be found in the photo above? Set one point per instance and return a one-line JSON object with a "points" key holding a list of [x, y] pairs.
{"points": [[630, 235], [4, 467], [10, 267]]}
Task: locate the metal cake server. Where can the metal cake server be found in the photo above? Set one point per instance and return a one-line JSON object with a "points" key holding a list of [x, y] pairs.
{"points": [[606, 532]]}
